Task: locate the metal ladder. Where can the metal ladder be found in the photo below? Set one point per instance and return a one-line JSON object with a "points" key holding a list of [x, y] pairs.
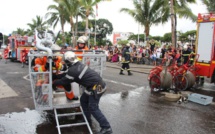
{"points": [[72, 124]]}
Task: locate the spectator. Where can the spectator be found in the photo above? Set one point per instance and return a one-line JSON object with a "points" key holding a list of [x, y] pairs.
{"points": [[115, 57], [153, 57], [139, 54], [163, 51], [152, 45]]}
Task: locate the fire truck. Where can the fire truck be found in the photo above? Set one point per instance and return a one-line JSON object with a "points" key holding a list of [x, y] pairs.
{"points": [[205, 45], [187, 75], [18, 48]]}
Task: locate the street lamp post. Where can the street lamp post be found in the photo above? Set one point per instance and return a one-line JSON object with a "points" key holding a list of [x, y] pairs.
{"points": [[138, 34]]}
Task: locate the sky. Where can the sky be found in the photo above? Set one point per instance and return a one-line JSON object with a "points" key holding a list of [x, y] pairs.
{"points": [[17, 13]]}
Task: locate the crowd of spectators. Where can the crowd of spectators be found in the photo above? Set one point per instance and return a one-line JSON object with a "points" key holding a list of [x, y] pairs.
{"points": [[151, 54]]}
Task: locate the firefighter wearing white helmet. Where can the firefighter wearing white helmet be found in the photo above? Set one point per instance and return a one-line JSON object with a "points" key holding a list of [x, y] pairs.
{"points": [[70, 58], [95, 87], [185, 54], [125, 60], [81, 45], [58, 66]]}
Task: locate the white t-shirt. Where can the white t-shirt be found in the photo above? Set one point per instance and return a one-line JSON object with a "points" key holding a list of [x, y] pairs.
{"points": [[158, 52]]}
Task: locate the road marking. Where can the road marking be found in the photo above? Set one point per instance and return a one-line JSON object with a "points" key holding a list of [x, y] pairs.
{"points": [[6, 91], [15, 72], [27, 77], [125, 84]]}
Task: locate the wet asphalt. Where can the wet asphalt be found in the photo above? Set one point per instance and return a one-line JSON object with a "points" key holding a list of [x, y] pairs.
{"points": [[128, 104]]}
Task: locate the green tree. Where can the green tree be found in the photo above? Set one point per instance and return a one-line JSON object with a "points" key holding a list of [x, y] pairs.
{"points": [[167, 37], [148, 12], [57, 15], [210, 4], [20, 31], [122, 42], [99, 29], [88, 7], [135, 37], [38, 24]]}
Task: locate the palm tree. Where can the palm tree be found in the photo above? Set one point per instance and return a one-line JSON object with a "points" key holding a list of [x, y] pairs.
{"points": [[148, 12], [181, 8], [210, 4], [88, 7], [72, 9], [36, 24], [57, 16], [20, 31]]}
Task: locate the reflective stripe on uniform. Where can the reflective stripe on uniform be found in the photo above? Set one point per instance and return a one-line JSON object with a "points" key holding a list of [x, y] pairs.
{"points": [[69, 77], [83, 72], [91, 93]]}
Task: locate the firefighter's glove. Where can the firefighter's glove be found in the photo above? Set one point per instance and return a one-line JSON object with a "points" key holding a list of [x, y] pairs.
{"points": [[54, 87]]}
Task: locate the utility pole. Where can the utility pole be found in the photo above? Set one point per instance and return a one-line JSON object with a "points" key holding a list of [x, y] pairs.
{"points": [[138, 34]]}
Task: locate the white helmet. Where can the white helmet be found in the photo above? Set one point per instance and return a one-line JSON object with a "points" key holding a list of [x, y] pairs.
{"points": [[70, 56], [185, 47], [55, 47], [128, 45], [82, 39]]}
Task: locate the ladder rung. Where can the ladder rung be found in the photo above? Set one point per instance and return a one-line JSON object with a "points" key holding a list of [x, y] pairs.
{"points": [[69, 114], [75, 124]]}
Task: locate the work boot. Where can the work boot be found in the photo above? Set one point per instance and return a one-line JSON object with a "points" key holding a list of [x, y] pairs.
{"points": [[121, 73], [75, 98], [129, 73], [106, 131]]}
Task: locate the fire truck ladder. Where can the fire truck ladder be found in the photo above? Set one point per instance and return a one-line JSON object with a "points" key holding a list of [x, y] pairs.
{"points": [[59, 115]]}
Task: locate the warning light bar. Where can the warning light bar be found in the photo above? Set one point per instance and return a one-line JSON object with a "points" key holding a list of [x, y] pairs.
{"points": [[207, 17]]}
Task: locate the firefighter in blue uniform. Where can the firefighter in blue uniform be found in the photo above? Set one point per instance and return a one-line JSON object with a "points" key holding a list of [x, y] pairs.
{"points": [[95, 87], [126, 57], [185, 54]]}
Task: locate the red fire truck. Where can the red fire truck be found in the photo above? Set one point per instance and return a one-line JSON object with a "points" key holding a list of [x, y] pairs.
{"points": [[205, 45], [18, 48]]}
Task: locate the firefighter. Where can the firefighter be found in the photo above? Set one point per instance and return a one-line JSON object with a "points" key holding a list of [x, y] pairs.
{"points": [[81, 45], [125, 60], [185, 54], [58, 66], [95, 87]]}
